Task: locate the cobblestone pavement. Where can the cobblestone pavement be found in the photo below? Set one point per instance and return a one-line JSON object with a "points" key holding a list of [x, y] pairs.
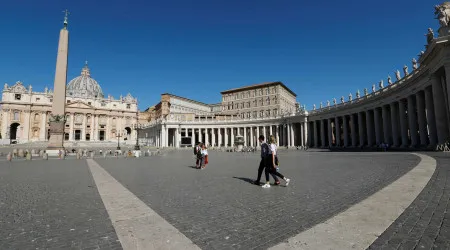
{"points": [[218, 208], [52, 205], [425, 224]]}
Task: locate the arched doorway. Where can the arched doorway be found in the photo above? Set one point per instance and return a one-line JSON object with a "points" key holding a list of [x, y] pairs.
{"points": [[13, 131], [128, 129]]}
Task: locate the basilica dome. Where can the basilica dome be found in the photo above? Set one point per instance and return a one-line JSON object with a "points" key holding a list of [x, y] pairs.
{"points": [[84, 86]]}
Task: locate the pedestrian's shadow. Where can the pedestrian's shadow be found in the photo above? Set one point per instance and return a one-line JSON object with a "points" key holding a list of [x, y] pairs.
{"points": [[244, 179], [194, 167]]}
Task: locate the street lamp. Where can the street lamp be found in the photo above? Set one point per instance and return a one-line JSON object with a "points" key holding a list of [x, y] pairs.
{"points": [[118, 137], [137, 127]]}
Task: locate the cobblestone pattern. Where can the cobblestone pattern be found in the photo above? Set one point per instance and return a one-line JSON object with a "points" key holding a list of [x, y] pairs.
{"points": [[217, 208], [52, 205], [425, 224]]}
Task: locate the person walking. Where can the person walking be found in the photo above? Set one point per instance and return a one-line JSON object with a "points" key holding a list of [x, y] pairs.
{"points": [[271, 167], [265, 161], [204, 152], [197, 149]]}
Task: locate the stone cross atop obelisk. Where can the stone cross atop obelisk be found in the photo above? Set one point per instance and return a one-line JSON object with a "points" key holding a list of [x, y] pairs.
{"points": [[57, 119]]}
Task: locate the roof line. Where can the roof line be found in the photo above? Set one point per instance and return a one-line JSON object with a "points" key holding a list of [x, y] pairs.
{"points": [[187, 99], [259, 85]]}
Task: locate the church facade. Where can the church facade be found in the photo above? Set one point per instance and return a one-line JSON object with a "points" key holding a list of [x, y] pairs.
{"points": [[90, 116]]}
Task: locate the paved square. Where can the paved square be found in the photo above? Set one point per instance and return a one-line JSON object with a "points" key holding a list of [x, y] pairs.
{"points": [[55, 204]]}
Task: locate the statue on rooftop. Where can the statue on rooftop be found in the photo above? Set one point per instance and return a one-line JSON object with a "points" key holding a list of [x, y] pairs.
{"points": [[328, 103], [389, 80], [334, 101], [373, 88], [5, 87], [397, 75], [366, 92], [405, 70], [414, 64], [381, 84], [321, 105], [442, 13], [314, 106], [342, 99], [358, 95], [430, 36]]}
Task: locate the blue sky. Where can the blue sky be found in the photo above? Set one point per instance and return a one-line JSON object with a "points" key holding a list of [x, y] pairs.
{"points": [[319, 49]]}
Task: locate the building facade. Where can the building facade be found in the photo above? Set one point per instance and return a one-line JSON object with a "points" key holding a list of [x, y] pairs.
{"points": [[89, 115]]}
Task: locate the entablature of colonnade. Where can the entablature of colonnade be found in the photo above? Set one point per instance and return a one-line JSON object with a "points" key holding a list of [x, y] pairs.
{"points": [[233, 123]]}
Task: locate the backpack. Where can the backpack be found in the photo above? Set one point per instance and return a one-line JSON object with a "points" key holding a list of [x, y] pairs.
{"points": [[195, 150]]}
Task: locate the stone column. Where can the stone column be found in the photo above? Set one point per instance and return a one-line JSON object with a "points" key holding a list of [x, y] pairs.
{"points": [[431, 118], [378, 134], [403, 123], [316, 133], [176, 136], [362, 129], [412, 121], [226, 136], [306, 132], [264, 132], [43, 125], [330, 133], [322, 133], [207, 142], [288, 135], [440, 110], [353, 130], [163, 136], [394, 123], [213, 137], [26, 125], [245, 136], [309, 131], [345, 128], [278, 134], [293, 135], [338, 131], [251, 137], [369, 127], [302, 134], [232, 136], [92, 128], [421, 118], [270, 130], [386, 123], [83, 130], [193, 137]]}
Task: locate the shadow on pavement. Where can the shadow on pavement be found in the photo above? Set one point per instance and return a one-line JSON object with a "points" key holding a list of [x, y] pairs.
{"points": [[245, 179]]}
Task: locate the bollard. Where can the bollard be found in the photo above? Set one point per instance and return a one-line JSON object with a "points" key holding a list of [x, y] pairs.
{"points": [[92, 154], [104, 155], [45, 156], [9, 157], [78, 156], [29, 156]]}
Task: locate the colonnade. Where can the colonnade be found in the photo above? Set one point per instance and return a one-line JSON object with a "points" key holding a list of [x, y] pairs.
{"points": [[419, 119], [287, 135]]}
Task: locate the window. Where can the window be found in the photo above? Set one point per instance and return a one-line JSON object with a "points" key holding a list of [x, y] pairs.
{"points": [[114, 105], [38, 99], [267, 91], [103, 104], [261, 113], [16, 115], [51, 99], [18, 97], [89, 103], [68, 101], [268, 101], [260, 92], [128, 106], [255, 114]]}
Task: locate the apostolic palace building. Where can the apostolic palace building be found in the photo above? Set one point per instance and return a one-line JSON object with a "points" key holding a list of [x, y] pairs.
{"points": [[409, 110]]}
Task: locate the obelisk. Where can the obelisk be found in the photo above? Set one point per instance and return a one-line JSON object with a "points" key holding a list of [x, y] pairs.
{"points": [[57, 119]]}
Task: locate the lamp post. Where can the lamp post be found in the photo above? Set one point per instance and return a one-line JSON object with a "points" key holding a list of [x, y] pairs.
{"points": [[137, 127], [118, 137]]}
